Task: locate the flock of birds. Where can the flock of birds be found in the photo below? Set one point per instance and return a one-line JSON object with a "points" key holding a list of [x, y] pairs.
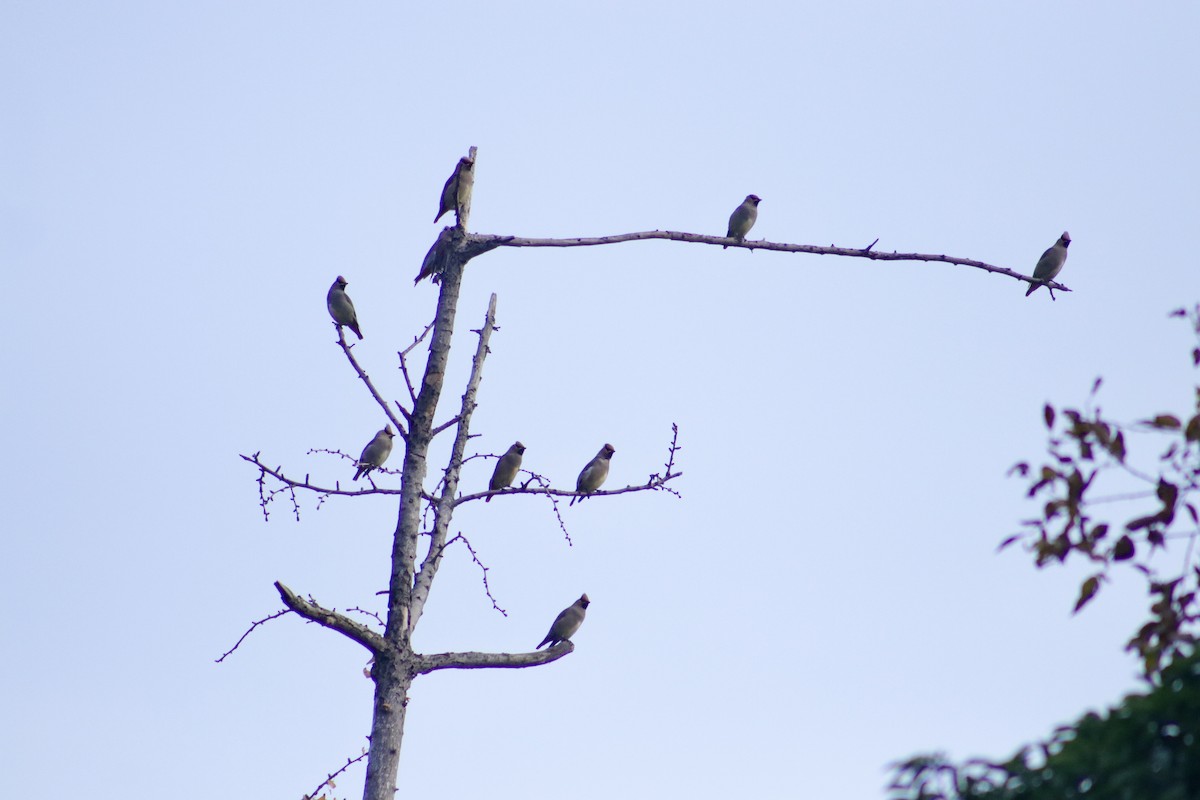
{"points": [[592, 477]]}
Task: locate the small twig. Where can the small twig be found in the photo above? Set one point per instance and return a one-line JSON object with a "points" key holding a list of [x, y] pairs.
{"points": [[417, 340], [289, 483], [371, 614], [448, 423], [250, 630], [403, 354], [475, 557], [329, 778], [562, 525], [867, 249], [656, 482], [267, 496]]}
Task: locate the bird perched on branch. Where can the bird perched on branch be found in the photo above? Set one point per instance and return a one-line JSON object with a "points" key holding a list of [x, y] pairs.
{"points": [[456, 194], [375, 453], [506, 469], [1051, 263], [743, 217], [340, 307], [566, 623], [594, 473]]}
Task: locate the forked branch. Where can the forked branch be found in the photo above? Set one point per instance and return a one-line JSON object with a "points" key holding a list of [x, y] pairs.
{"points": [[366, 379]]}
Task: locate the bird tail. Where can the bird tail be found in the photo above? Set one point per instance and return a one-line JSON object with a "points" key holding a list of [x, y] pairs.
{"points": [[1032, 288], [543, 644], [357, 332], [441, 214], [359, 474]]}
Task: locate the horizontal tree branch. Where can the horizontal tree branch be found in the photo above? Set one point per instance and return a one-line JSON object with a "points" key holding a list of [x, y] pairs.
{"points": [[277, 474], [485, 242], [655, 483], [331, 619], [426, 664]]}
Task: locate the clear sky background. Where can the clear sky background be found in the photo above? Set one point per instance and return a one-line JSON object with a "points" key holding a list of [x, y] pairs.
{"points": [[180, 183]]}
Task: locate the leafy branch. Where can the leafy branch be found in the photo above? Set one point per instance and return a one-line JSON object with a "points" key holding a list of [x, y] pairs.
{"points": [[1088, 450]]}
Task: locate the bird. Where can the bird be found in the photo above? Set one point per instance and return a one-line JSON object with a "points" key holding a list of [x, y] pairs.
{"points": [[743, 217], [341, 308], [456, 193], [566, 623], [1051, 263], [593, 475], [506, 469], [375, 453]]}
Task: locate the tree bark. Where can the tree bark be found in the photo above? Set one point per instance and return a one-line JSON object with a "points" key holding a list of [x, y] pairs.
{"points": [[393, 669], [392, 678]]}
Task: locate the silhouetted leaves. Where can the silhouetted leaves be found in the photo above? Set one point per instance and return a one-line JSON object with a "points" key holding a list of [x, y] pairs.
{"points": [[1087, 591], [1123, 550], [1147, 748], [1086, 448]]}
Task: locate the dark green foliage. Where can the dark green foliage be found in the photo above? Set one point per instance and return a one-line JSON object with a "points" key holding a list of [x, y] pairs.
{"points": [[1146, 748]]}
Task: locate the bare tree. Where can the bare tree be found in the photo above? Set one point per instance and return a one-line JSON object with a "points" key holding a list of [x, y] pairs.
{"points": [[429, 513]]}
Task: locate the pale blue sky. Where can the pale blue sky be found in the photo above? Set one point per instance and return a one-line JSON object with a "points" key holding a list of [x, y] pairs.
{"points": [[179, 184]]}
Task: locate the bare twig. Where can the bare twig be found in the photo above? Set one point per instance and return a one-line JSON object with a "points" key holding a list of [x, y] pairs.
{"points": [[291, 483], [329, 778], [544, 483], [485, 242], [267, 496], [475, 557], [403, 354], [656, 482], [250, 630], [367, 613]]}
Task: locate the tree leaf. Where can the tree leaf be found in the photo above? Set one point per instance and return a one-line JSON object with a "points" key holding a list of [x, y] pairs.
{"points": [[1048, 415], [1123, 550], [1192, 434], [1007, 541], [1086, 592]]}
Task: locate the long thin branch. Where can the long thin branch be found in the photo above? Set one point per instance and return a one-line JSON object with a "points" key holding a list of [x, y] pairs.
{"points": [[485, 242], [329, 778], [445, 506], [278, 475], [387, 409], [250, 630], [425, 664], [655, 483], [352, 630]]}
